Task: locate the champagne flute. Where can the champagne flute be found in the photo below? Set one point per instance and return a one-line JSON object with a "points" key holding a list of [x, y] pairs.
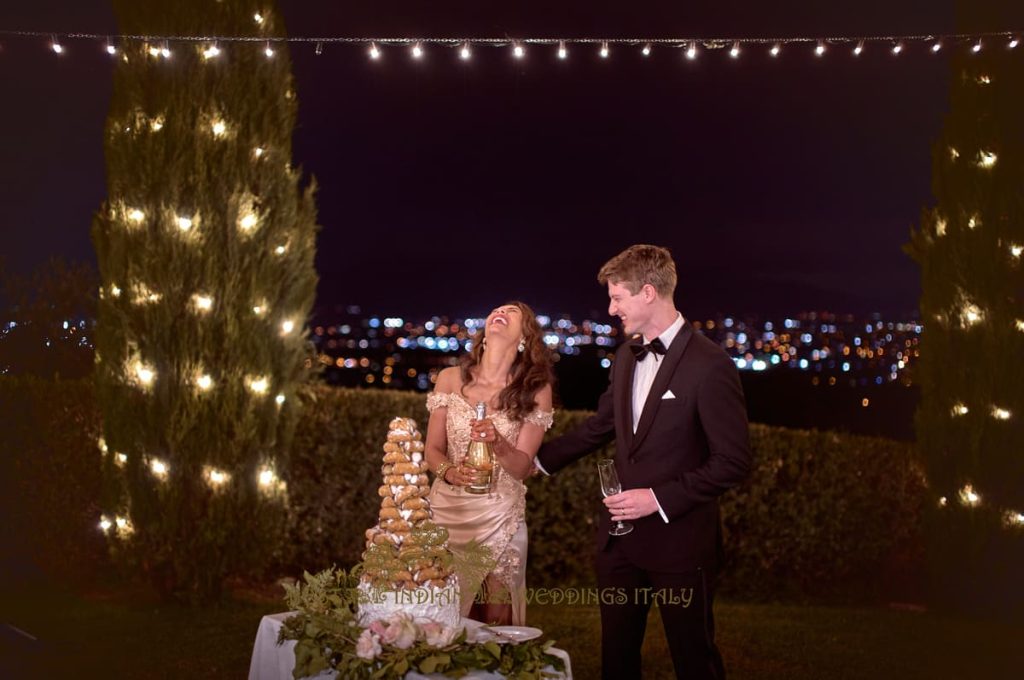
{"points": [[610, 485]]}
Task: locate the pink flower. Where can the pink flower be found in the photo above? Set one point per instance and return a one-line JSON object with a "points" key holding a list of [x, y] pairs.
{"points": [[368, 645], [378, 627], [401, 631], [437, 635]]}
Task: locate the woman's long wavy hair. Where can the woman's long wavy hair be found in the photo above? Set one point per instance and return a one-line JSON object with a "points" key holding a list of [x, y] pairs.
{"points": [[530, 371]]}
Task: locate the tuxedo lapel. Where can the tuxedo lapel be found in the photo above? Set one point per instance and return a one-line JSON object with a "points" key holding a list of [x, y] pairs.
{"points": [[624, 393], [661, 382]]}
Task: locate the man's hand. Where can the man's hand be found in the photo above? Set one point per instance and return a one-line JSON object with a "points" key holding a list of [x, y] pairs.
{"points": [[632, 504]]}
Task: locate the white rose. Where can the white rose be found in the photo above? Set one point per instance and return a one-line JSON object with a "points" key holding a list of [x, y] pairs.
{"points": [[401, 631]]}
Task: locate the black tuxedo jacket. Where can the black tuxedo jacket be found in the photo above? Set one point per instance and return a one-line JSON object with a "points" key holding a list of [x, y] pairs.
{"points": [[689, 450]]}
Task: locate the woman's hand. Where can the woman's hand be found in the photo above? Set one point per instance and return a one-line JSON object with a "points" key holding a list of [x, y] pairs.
{"points": [[484, 431], [457, 475]]}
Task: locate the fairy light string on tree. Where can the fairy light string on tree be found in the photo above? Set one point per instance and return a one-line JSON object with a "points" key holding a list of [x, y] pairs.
{"points": [[205, 249]]}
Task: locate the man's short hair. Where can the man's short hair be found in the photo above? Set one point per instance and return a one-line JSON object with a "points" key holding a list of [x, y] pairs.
{"points": [[639, 265]]}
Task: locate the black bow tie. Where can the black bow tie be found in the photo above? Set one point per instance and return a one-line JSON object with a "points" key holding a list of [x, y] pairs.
{"points": [[640, 351]]}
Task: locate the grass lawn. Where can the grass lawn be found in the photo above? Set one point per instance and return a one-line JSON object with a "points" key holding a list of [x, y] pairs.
{"points": [[121, 635]]}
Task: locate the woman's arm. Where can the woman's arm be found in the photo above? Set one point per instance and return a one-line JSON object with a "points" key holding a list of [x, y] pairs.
{"points": [[436, 446]]}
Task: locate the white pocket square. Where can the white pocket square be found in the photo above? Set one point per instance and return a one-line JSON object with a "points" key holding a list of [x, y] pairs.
{"points": [[668, 395]]}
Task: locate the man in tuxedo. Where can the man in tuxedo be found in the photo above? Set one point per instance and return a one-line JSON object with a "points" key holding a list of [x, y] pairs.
{"points": [[676, 411]]}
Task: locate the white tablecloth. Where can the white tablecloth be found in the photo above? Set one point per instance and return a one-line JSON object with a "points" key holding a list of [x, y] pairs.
{"points": [[273, 662]]}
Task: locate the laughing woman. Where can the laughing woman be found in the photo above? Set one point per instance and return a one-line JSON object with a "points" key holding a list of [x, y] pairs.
{"points": [[508, 369]]}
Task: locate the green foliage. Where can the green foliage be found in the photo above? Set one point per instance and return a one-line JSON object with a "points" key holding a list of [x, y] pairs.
{"points": [[972, 302], [327, 635], [248, 249], [823, 514]]}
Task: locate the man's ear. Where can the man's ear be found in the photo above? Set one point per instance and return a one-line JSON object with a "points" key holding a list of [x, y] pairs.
{"points": [[649, 293]]}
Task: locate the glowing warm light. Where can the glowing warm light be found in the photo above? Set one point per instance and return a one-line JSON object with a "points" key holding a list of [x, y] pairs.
{"points": [[1000, 413], [940, 227], [288, 326], [1016, 250], [691, 51], [144, 373], [259, 385], [968, 496], [258, 151], [986, 159], [102, 444], [562, 52], [156, 125], [864, 402], [211, 52], [258, 18], [985, 80], [184, 223], [203, 303], [942, 501], [977, 47], [417, 51], [735, 51], [858, 49], [115, 291], [953, 153], [464, 53], [165, 53], [105, 524], [646, 51], [374, 51], [259, 310], [268, 51], [973, 222], [204, 382], [959, 409], [897, 48], [219, 128], [121, 458], [159, 468], [247, 221], [1020, 325], [774, 51], [1012, 518], [604, 50], [267, 478], [936, 47], [279, 399], [280, 250], [111, 49], [154, 51], [136, 216], [1013, 43], [820, 49], [215, 477], [519, 51], [57, 47]]}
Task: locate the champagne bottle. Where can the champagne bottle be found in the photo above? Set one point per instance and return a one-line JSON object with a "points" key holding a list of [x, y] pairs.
{"points": [[480, 458]]}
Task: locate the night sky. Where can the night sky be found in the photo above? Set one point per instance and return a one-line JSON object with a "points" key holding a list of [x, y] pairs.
{"points": [[781, 185]]}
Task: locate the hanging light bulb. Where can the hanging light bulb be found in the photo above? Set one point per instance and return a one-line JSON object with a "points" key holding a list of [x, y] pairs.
{"points": [[204, 382], [258, 18], [1013, 43], [111, 50], [604, 50], [184, 223], [247, 221], [858, 49], [959, 409], [936, 46], [215, 477], [319, 49], [1000, 413], [267, 477], [136, 216], [691, 52], [144, 373], [56, 46], [464, 53], [897, 48], [562, 52], [287, 326], [259, 385], [105, 524], [219, 128], [820, 49], [159, 468], [977, 47], [374, 51], [417, 51], [203, 303], [211, 51], [968, 496], [518, 51], [258, 151], [735, 51], [986, 159], [280, 250], [165, 51], [268, 50], [646, 51], [774, 51], [1016, 250], [279, 399]]}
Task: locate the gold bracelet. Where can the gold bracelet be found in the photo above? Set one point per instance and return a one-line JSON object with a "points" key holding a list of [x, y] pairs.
{"points": [[442, 469]]}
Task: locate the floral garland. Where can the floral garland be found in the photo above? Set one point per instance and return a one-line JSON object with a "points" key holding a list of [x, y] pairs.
{"points": [[328, 635]]}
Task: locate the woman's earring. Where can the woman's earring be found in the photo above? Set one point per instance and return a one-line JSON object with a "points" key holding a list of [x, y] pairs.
{"points": [[522, 346]]}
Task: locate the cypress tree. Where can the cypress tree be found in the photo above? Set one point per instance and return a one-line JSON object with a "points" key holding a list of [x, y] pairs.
{"points": [[205, 247], [970, 423]]}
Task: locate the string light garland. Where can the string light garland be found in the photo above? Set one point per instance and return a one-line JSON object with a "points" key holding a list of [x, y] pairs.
{"points": [[211, 46]]}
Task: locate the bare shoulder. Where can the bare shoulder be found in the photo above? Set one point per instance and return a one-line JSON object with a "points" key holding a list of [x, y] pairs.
{"points": [[448, 380]]}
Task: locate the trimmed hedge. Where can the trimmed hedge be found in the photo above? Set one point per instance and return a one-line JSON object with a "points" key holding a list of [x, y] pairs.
{"points": [[823, 514]]}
